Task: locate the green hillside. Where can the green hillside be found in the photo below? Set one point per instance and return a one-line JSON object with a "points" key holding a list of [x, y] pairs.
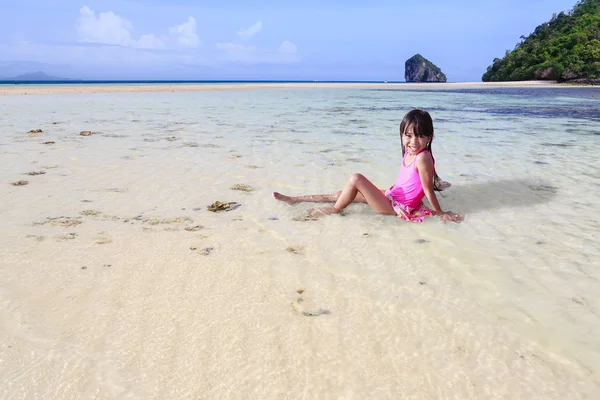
{"points": [[565, 48]]}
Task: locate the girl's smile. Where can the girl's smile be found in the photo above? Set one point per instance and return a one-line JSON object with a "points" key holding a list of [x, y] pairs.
{"points": [[414, 144]]}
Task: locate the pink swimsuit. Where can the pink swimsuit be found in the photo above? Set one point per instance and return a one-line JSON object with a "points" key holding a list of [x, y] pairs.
{"points": [[406, 195]]}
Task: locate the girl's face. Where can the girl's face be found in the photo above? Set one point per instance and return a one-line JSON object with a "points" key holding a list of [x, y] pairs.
{"points": [[414, 144]]}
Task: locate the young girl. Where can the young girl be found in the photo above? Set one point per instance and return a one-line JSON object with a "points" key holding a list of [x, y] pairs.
{"points": [[404, 199]]}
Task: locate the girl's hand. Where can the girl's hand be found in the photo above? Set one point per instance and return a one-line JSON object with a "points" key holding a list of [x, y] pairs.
{"points": [[451, 217]]}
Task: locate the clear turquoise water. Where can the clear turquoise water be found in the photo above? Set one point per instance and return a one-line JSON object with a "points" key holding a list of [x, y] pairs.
{"points": [[523, 164]]}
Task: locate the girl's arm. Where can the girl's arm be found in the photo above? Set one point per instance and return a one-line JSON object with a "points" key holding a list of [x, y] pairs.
{"points": [[424, 164]]}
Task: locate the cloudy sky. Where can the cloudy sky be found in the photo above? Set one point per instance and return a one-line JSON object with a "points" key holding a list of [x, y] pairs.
{"points": [[261, 39]]}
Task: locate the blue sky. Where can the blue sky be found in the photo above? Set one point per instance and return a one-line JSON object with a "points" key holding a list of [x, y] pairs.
{"points": [[278, 40]]}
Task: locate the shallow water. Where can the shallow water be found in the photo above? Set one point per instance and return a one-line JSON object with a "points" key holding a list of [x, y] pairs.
{"points": [[521, 272]]}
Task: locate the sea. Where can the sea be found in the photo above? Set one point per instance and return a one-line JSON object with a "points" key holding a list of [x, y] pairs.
{"points": [[518, 279]]}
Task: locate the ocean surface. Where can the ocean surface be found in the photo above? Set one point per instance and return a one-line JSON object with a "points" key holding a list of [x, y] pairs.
{"points": [[520, 274]]}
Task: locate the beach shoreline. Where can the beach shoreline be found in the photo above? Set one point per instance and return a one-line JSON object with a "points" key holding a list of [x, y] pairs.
{"points": [[88, 88]]}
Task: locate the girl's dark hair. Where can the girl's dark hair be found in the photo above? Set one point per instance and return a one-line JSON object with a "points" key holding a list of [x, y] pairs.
{"points": [[422, 125]]}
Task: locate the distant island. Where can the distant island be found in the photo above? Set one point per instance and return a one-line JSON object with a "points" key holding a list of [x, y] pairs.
{"points": [[566, 49], [34, 76], [419, 69]]}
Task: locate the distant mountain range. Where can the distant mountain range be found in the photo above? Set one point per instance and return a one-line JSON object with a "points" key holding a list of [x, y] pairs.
{"points": [[34, 76]]}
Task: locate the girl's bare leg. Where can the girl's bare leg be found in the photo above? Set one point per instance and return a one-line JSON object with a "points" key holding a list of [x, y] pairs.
{"points": [[312, 198], [358, 184], [318, 198]]}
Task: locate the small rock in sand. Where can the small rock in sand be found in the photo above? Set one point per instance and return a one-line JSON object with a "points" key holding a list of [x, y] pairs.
{"points": [[206, 251], [294, 249], [243, 187], [19, 183], [305, 218], [90, 212]]}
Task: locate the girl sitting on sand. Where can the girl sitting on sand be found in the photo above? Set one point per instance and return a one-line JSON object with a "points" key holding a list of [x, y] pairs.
{"points": [[416, 179]]}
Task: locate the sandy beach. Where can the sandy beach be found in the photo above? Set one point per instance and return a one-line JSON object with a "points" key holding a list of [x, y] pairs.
{"points": [[118, 282], [20, 89]]}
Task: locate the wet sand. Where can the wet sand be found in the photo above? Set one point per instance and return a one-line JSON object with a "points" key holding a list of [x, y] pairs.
{"points": [[122, 277]]}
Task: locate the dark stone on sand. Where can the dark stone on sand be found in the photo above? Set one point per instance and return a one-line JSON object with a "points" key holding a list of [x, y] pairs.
{"points": [[193, 228], [544, 188], [206, 251], [294, 249], [305, 218]]}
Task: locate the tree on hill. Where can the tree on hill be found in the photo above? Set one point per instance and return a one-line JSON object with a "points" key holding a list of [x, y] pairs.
{"points": [[565, 48]]}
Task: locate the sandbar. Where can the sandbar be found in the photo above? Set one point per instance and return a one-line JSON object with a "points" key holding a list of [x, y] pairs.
{"points": [[86, 88]]}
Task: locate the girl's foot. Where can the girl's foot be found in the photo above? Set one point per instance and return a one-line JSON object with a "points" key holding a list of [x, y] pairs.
{"points": [[319, 212], [282, 197]]}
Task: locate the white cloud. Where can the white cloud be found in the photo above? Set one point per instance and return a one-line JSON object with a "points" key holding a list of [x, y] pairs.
{"points": [[235, 52], [185, 34], [246, 34], [110, 28], [107, 41], [288, 47], [149, 41], [107, 28], [288, 52]]}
